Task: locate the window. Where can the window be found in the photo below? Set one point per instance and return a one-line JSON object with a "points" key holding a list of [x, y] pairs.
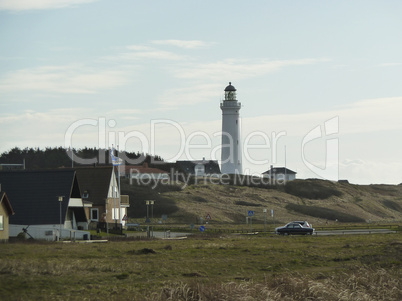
{"points": [[115, 214], [94, 214], [1, 223]]}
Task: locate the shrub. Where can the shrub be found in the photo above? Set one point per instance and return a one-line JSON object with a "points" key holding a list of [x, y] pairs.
{"points": [[392, 205], [199, 199], [311, 189], [324, 213], [249, 204]]}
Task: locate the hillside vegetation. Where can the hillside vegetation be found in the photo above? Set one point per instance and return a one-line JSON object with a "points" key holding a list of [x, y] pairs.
{"points": [[317, 201], [206, 267]]}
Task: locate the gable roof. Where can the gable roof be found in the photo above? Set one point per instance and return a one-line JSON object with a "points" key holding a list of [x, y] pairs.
{"points": [[188, 167], [35, 194], [95, 181], [279, 170], [6, 202]]}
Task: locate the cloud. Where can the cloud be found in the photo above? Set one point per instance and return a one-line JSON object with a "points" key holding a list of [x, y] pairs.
{"points": [[21, 5], [365, 116], [140, 52], [390, 64], [62, 79], [188, 96], [371, 115], [189, 44], [238, 68], [350, 162], [367, 172]]}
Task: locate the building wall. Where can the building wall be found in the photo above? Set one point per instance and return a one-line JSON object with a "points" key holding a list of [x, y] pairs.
{"points": [[49, 232], [280, 177], [4, 230], [112, 208]]}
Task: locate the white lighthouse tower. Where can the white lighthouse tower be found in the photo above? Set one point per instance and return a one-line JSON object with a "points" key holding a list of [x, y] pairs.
{"points": [[231, 157]]}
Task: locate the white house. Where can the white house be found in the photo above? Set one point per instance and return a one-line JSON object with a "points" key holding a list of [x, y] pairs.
{"points": [[279, 174], [47, 204]]}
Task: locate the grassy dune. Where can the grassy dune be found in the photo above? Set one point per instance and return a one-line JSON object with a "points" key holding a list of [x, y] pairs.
{"points": [[318, 201], [206, 267]]}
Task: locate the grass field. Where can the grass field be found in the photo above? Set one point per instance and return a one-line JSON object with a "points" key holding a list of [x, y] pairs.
{"points": [[206, 267]]}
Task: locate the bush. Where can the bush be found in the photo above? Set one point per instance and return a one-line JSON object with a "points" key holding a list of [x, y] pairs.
{"points": [[311, 189], [199, 199], [249, 204], [392, 205], [324, 213]]}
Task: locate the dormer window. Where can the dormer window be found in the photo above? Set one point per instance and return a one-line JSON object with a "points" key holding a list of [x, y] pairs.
{"points": [[85, 195]]}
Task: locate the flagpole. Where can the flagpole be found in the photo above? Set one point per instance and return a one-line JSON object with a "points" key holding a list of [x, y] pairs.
{"points": [[118, 174], [113, 188], [72, 157], [285, 166]]}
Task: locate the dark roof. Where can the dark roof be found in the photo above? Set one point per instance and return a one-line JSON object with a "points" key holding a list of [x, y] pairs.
{"points": [[35, 194], [6, 202], [279, 170], [188, 167], [230, 87], [95, 181]]}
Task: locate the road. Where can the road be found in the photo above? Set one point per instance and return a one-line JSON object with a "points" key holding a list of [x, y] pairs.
{"points": [[179, 235], [360, 231], [161, 234]]}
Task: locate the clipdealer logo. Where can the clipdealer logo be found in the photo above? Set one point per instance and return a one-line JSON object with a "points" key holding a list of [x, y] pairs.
{"points": [[324, 134]]}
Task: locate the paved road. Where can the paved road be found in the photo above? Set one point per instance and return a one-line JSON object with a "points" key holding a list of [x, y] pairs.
{"points": [[161, 234], [178, 235], [360, 231]]}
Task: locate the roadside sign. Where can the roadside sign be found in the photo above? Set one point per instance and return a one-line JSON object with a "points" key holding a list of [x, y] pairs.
{"points": [[202, 228], [272, 212], [208, 217], [164, 217], [125, 217], [250, 213]]}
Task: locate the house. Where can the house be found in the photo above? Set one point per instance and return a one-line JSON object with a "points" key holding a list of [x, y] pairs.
{"points": [[99, 187], [279, 174], [143, 173], [47, 203], [5, 211], [199, 167]]}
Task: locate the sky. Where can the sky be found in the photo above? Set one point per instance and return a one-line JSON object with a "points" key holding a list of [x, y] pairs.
{"points": [[319, 81]]}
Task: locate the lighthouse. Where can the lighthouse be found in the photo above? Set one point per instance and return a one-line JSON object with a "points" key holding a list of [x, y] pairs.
{"points": [[231, 157]]}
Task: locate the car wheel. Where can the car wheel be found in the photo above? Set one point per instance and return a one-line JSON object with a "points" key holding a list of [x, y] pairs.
{"points": [[286, 233]]}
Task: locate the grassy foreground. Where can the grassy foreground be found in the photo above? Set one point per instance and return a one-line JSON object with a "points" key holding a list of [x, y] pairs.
{"points": [[206, 267]]}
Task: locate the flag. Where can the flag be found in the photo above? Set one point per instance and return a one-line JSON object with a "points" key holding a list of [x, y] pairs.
{"points": [[115, 160]]}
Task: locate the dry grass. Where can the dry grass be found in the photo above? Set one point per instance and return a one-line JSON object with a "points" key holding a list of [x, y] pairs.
{"points": [[361, 284], [230, 204], [205, 267]]}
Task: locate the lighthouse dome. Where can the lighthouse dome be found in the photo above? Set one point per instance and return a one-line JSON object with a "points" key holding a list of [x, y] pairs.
{"points": [[230, 88]]}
